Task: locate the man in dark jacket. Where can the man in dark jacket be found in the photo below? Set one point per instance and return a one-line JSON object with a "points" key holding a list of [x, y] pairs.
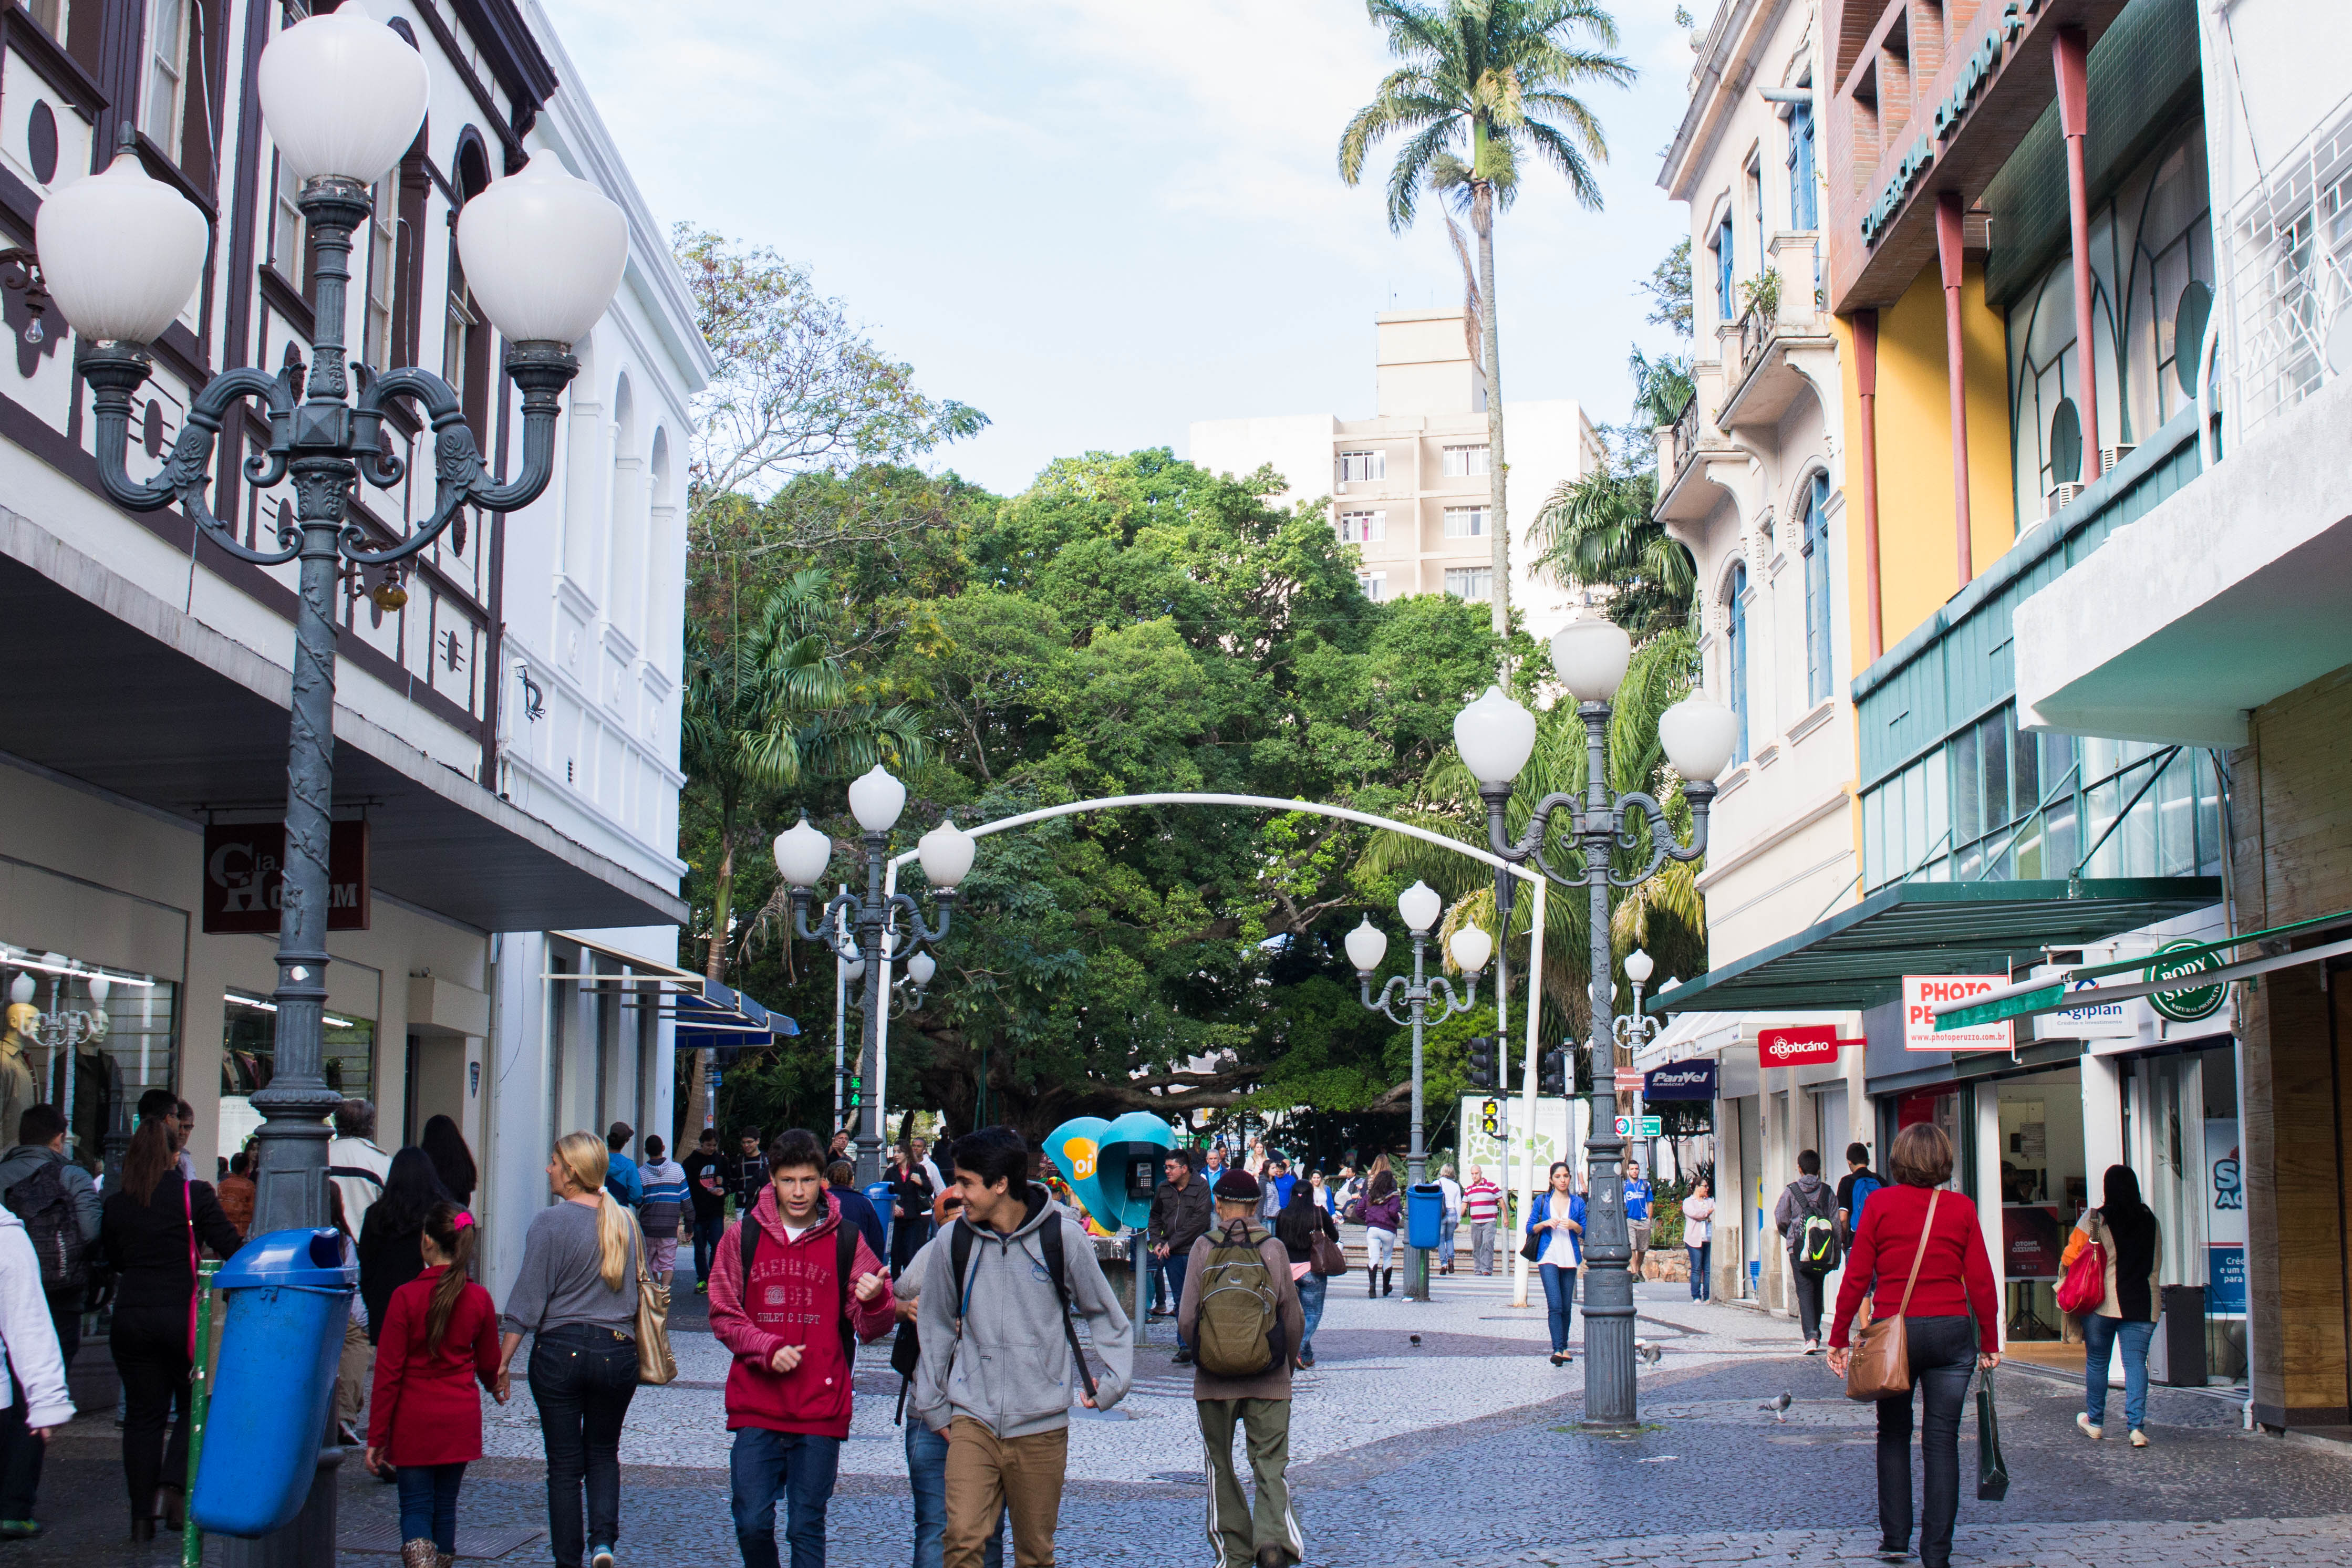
{"points": [[1179, 1216], [41, 1143], [841, 1182]]}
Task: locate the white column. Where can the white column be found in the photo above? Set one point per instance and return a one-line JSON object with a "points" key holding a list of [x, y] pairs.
{"points": [[2103, 1118], [1988, 1194]]}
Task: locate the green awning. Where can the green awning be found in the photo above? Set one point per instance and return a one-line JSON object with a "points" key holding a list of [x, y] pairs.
{"points": [[1858, 957]]}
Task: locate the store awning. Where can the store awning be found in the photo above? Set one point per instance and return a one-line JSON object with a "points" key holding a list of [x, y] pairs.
{"points": [[721, 1019], [1858, 957]]}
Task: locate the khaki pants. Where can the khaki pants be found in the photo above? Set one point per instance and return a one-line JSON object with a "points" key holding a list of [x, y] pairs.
{"points": [[1237, 1530], [351, 1377], [988, 1476]]}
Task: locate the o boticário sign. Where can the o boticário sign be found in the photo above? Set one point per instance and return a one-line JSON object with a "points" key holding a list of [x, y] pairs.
{"points": [[2195, 1002], [1922, 994], [1810, 1045]]}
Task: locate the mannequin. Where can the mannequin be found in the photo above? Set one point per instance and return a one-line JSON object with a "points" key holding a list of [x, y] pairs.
{"points": [[97, 1090], [20, 1090]]}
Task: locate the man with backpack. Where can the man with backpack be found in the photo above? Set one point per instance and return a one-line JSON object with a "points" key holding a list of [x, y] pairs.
{"points": [[1806, 1217], [1242, 1314], [792, 1291], [59, 1205], [1000, 1362], [1855, 1189]]}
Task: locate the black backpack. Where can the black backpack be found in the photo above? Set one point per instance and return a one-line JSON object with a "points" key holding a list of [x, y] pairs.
{"points": [[42, 1202], [845, 1258]]}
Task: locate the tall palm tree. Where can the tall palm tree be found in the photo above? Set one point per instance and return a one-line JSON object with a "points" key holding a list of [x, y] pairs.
{"points": [[1598, 531], [1482, 83]]}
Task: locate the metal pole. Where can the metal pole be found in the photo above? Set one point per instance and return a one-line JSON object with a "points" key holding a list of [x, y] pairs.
{"points": [[1608, 1288], [1528, 1175], [865, 1147], [840, 1026], [1416, 1264]]}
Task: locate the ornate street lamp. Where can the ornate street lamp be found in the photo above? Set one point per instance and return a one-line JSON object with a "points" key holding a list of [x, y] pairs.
{"points": [[1496, 736], [1367, 945], [863, 930]]}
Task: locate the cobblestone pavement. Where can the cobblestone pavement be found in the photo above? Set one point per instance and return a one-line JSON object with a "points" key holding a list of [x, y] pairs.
{"points": [[1459, 1449]]}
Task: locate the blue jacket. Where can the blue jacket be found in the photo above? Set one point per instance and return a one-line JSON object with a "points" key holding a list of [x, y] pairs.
{"points": [[1541, 1213], [621, 1179]]}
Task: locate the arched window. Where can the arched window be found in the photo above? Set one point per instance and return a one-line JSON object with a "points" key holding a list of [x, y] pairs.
{"points": [[1735, 655], [1816, 547]]}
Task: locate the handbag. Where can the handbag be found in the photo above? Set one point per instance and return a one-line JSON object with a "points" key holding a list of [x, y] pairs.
{"points": [[656, 1365], [1992, 1471], [2084, 1287], [1531, 1248], [1880, 1366], [1325, 1255]]}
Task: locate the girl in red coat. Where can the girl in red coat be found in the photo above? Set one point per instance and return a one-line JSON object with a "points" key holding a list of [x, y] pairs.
{"points": [[440, 1338]]}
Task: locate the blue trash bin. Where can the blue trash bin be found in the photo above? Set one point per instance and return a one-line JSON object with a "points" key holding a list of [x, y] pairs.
{"points": [[290, 1297], [884, 1198], [1424, 1214]]}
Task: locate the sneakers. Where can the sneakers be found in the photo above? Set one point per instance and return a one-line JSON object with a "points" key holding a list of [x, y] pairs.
{"points": [[600, 1557], [2084, 1421], [1813, 1347], [702, 1287], [2138, 1439], [21, 1529]]}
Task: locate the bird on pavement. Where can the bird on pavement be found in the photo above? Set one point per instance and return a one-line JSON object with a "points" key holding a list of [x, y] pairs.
{"points": [[1779, 1406], [1649, 1351]]}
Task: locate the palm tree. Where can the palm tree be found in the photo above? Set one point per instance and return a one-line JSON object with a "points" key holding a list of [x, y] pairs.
{"points": [[1598, 531], [1483, 82]]}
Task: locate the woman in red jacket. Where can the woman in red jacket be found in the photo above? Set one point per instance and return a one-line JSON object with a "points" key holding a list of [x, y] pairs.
{"points": [[1952, 1326], [440, 1338]]}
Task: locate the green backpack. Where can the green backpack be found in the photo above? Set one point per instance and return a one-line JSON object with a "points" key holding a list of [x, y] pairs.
{"points": [[1239, 1334]]}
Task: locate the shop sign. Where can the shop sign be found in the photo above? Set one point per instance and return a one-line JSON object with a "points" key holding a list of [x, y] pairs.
{"points": [[2225, 1222], [2033, 1240], [1809, 1046], [245, 874], [1644, 1127], [2196, 1001], [1975, 73], [1922, 994], [1681, 1081], [2108, 1020]]}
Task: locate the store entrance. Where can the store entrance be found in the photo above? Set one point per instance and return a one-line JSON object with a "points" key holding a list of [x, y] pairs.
{"points": [[2044, 1190]]}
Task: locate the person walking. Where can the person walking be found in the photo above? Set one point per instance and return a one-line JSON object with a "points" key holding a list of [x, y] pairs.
{"points": [[662, 1181], [747, 1173], [926, 1451], [910, 1195], [61, 1210], [1302, 1219], [1698, 1238], [1449, 1219], [1933, 1242], [1556, 1225], [1638, 1198], [1482, 1207], [238, 1193], [795, 1289], [706, 1185], [576, 1295], [620, 1178], [1853, 1190], [856, 1208], [1240, 1276], [153, 1221], [1383, 1206], [354, 1165], [1806, 1217], [453, 1162], [999, 1356], [32, 1370], [1179, 1216], [438, 1344], [2125, 1317], [389, 1258]]}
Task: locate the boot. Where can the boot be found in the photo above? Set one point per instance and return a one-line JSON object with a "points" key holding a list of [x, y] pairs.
{"points": [[143, 1530], [172, 1506], [419, 1554], [1372, 1283], [1388, 1282]]}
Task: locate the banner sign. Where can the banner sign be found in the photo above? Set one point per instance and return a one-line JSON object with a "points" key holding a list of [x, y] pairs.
{"points": [[1812, 1045], [1924, 993], [245, 876], [1681, 1081], [2225, 1222]]}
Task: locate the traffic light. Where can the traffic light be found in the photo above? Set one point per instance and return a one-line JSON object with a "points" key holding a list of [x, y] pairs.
{"points": [[1490, 1117], [1482, 1063], [1553, 1077]]}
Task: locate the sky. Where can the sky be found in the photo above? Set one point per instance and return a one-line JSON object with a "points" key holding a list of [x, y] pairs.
{"points": [[1100, 220]]}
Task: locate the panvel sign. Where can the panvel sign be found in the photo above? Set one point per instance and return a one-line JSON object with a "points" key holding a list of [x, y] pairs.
{"points": [[1922, 994], [1809, 1046]]}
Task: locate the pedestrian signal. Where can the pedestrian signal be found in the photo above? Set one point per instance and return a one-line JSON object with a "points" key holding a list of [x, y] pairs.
{"points": [[1482, 1063], [1490, 1117]]}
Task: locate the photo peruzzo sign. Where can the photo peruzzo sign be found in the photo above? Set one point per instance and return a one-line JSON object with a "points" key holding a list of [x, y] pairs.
{"points": [[245, 877], [1922, 994], [1807, 1047]]}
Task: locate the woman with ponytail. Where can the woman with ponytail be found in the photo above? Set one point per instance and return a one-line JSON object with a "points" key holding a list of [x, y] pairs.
{"points": [[437, 1340], [576, 1296]]}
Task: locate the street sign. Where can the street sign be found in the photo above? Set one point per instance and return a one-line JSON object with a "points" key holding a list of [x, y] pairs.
{"points": [[1681, 1081], [1922, 994], [1650, 1127], [2195, 1002], [1629, 1079], [1811, 1045]]}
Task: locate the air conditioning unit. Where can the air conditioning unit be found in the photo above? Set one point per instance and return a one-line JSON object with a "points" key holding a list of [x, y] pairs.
{"points": [[2111, 455], [2061, 496]]}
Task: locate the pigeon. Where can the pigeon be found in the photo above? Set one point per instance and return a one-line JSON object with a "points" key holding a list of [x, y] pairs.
{"points": [[1414, 1338], [1779, 1406], [1649, 1351]]}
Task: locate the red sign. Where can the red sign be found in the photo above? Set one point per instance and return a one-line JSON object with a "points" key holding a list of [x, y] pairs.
{"points": [[1807, 1047], [245, 874], [1631, 1080]]}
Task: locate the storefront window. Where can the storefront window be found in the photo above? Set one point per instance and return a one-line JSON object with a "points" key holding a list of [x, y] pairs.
{"points": [[2044, 1190], [86, 1036], [248, 1053], [2182, 1113]]}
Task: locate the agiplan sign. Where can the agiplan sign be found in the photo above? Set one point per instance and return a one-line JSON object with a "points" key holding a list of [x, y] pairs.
{"points": [[1924, 993]]}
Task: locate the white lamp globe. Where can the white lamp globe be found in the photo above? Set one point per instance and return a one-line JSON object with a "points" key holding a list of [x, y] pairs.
{"points": [[99, 987], [343, 94], [852, 968], [802, 854], [1698, 736], [1496, 736], [946, 852], [543, 253], [1421, 906], [920, 968], [1471, 947], [1367, 945], [21, 990], [875, 800], [1639, 967], [1590, 656], [120, 253]]}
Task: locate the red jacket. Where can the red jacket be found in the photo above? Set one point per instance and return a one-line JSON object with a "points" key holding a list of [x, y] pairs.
{"points": [[794, 1299], [425, 1409], [1955, 1277]]}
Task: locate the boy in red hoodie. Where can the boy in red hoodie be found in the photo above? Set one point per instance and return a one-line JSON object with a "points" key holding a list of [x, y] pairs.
{"points": [[815, 1288]]}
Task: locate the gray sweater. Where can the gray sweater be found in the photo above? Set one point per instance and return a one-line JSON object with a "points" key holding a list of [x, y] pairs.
{"points": [[26, 1158], [560, 1282]]}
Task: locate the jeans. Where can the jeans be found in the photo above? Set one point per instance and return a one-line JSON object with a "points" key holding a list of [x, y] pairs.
{"points": [[1809, 1301], [2100, 1337], [428, 1503], [583, 1378], [707, 1234], [1445, 1240], [1559, 1290], [1173, 1267], [927, 1479], [1702, 1263], [153, 1361], [1482, 1245], [799, 1467], [20, 1457], [1943, 1358], [1311, 1287]]}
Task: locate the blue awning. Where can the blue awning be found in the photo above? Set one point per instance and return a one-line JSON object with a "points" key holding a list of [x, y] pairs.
{"points": [[724, 1020]]}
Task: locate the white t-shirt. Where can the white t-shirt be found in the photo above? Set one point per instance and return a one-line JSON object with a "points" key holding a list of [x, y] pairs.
{"points": [[794, 1233], [1560, 1251], [1453, 1193]]}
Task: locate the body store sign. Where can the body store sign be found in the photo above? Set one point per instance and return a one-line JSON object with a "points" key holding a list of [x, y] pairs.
{"points": [[1924, 993]]}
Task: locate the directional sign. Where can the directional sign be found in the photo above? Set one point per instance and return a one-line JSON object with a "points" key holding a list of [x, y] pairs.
{"points": [[1650, 1127], [1630, 1080], [2196, 1001]]}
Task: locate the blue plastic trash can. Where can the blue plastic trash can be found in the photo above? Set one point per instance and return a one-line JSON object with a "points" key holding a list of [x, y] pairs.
{"points": [[1424, 1214], [884, 1198], [290, 1297]]}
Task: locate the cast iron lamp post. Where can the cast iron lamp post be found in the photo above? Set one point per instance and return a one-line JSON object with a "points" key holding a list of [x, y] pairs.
{"points": [[1367, 945], [802, 855], [121, 255], [1496, 736]]}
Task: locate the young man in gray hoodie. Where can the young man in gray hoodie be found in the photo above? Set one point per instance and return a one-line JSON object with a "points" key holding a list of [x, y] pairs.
{"points": [[999, 1364]]}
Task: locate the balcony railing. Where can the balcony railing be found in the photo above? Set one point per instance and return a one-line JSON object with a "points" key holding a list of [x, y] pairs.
{"points": [[2288, 271], [1683, 444]]}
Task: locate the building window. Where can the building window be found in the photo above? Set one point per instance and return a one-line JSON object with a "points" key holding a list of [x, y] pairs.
{"points": [[51, 16], [1465, 522], [1374, 584], [384, 270], [1736, 656], [1470, 582], [1465, 462], [1362, 467], [459, 326], [1723, 260], [289, 238], [1363, 528], [1804, 198], [167, 73], [1818, 647]]}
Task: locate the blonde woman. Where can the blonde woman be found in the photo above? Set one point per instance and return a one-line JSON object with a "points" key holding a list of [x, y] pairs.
{"points": [[576, 1296]]}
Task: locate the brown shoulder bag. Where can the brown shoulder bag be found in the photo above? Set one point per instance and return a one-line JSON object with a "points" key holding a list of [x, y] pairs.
{"points": [[1880, 1366]]}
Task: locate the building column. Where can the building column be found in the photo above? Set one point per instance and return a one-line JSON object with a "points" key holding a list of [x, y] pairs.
{"points": [[1989, 1196], [2069, 54], [1865, 374], [1950, 258], [2103, 1118]]}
